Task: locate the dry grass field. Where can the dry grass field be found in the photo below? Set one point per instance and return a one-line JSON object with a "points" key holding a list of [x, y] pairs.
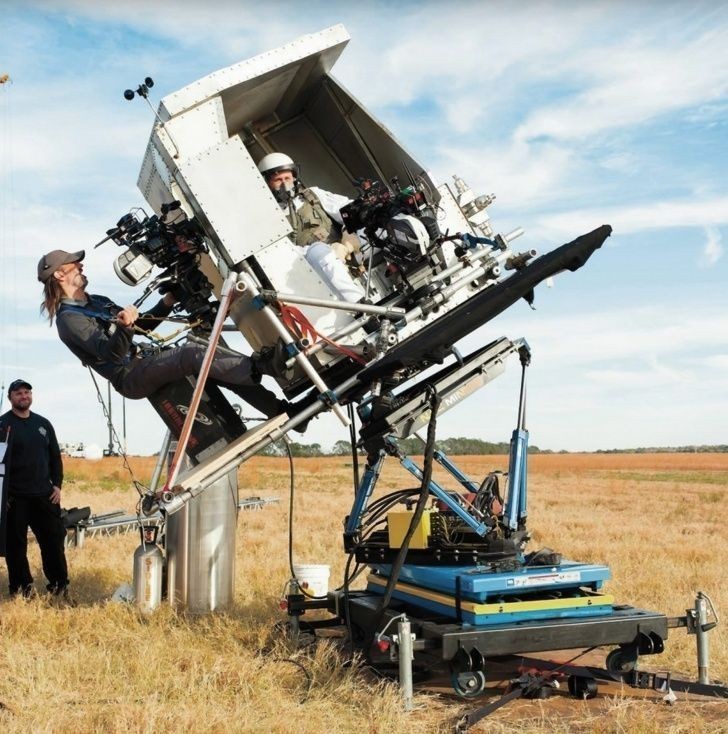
{"points": [[659, 521]]}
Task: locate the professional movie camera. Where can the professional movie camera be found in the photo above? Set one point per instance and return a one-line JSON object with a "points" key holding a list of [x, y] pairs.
{"points": [[172, 242], [400, 222]]}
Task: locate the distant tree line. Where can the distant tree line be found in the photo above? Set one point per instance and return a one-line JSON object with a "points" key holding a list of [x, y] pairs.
{"points": [[702, 449], [463, 446]]}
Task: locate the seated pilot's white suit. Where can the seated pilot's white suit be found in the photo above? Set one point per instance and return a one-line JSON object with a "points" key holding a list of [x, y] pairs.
{"points": [[320, 255], [314, 215]]}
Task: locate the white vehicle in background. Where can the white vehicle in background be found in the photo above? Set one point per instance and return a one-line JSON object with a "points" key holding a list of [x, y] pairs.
{"points": [[74, 450]]}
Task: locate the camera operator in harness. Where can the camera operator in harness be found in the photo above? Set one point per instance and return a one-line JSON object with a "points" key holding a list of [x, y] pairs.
{"points": [[100, 333], [314, 216]]}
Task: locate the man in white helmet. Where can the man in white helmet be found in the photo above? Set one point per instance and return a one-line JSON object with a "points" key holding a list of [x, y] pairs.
{"points": [[314, 216]]}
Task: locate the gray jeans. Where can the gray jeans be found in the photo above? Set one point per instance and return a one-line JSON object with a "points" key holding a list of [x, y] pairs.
{"points": [[229, 369]]}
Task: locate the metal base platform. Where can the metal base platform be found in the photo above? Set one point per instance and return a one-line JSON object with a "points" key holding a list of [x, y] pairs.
{"points": [[625, 625]]}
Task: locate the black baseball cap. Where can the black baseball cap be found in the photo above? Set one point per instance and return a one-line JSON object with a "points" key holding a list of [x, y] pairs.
{"points": [[18, 385], [49, 263]]}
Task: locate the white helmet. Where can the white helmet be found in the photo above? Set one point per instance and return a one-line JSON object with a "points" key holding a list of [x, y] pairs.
{"points": [[274, 162]]}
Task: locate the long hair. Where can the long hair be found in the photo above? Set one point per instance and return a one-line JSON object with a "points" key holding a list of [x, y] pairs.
{"points": [[52, 295]]}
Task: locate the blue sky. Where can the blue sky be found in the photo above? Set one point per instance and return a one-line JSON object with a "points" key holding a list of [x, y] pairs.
{"points": [[574, 114]]}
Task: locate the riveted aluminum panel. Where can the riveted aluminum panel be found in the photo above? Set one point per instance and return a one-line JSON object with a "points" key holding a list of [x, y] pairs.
{"points": [[226, 190], [155, 179], [258, 86], [197, 129]]}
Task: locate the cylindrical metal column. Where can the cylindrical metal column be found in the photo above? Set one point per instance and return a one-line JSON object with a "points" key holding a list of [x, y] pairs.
{"points": [[701, 621], [200, 546], [406, 655]]}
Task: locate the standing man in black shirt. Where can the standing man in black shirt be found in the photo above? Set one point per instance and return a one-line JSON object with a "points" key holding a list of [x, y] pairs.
{"points": [[33, 478]]}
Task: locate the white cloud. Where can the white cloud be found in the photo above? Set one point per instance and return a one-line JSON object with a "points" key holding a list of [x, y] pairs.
{"points": [[709, 211], [474, 64], [66, 134], [713, 249], [634, 82], [516, 172], [662, 339], [659, 377], [714, 361]]}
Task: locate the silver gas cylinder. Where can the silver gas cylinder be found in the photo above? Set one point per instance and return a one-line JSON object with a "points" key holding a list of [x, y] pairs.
{"points": [[148, 570]]}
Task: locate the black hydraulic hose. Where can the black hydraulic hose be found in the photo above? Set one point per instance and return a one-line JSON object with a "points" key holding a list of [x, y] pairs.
{"points": [[434, 400], [352, 440]]}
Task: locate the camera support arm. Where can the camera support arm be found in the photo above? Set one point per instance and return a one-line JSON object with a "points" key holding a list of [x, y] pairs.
{"points": [[228, 292]]}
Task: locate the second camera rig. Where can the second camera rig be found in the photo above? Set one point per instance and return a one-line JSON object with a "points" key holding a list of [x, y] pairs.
{"points": [[173, 243]]}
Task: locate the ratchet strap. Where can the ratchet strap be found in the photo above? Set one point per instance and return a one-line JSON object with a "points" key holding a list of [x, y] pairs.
{"points": [[299, 324]]}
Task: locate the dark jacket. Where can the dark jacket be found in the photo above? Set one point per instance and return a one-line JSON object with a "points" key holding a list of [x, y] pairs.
{"points": [[33, 459], [89, 332]]}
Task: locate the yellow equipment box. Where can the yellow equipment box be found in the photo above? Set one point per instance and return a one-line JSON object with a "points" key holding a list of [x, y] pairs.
{"points": [[398, 524]]}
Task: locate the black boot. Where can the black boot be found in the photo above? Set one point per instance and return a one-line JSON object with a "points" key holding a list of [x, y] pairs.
{"points": [[294, 408], [272, 361], [27, 592]]}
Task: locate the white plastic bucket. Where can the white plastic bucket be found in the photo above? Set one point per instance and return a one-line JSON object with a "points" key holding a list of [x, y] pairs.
{"points": [[316, 575]]}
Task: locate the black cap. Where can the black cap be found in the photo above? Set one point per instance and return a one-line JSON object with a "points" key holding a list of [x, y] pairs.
{"points": [[51, 262], [18, 385]]}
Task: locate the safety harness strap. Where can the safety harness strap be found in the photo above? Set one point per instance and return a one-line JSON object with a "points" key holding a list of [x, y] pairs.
{"points": [[97, 307], [299, 324]]}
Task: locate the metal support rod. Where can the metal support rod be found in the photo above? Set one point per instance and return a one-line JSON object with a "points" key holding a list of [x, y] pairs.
{"points": [[354, 452], [228, 290], [363, 493], [123, 422], [443, 460], [491, 268], [110, 423], [337, 336], [406, 656], [701, 633], [301, 359], [516, 506], [521, 424], [445, 497], [161, 461], [173, 501], [294, 622], [480, 252], [391, 313], [466, 265], [497, 258]]}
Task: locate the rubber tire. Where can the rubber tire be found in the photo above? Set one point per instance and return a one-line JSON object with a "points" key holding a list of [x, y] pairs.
{"points": [[472, 686], [617, 662]]}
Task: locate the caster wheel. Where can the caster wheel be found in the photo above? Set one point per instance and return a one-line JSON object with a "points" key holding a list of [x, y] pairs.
{"points": [[621, 661], [584, 688], [469, 684]]}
